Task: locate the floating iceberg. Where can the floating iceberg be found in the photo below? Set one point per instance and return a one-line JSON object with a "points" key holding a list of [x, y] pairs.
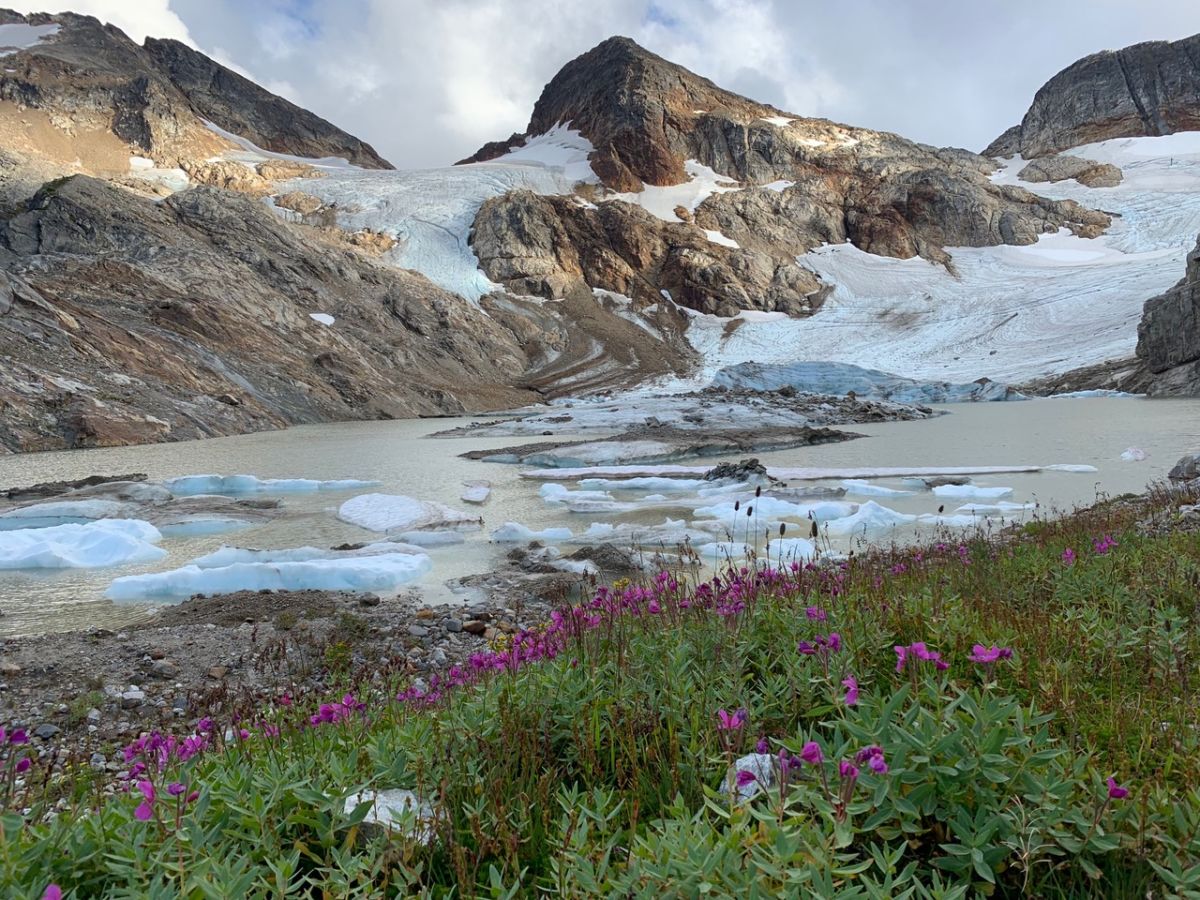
{"points": [[395, 512], [788, 550], [385, 572], [232, 556], [558, 493], [971, 492], [1135, 454], [476, 491], [867, 489], [63, 512], [430, 538], [869, 518], [515, 533], [769, 507], [191, 485], [107, 542], [1000, 507]]}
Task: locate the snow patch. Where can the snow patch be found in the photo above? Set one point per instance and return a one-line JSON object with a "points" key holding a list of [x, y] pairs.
{"points": [[323, 318], [661, 202], [717, 238]]}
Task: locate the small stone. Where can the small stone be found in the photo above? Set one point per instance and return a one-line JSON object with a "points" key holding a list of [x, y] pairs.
{"points": [[181, 704], [93, 715], [46, 731], [425, 613], [454, 626], [490, 634], [122, 635], [418, 631], [98, 761], [158, 653], [164, 668], [133, 697], [9, 669], [438, 656], [474, 627], [218, 672], [369, 600]]}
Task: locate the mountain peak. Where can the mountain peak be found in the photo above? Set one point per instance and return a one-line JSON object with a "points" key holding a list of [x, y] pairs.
{"points": [[633, 106]]}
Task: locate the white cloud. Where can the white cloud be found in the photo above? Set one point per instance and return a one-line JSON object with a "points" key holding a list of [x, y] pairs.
{"points": [[137, 18]]}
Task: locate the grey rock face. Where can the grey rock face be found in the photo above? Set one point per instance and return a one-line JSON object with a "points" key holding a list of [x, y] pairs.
{"points": [[1169, 335], [241, 106], [1187, 468], [1145, 89], [1087, 172]]}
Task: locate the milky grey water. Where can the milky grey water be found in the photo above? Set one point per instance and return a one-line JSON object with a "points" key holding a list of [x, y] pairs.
{"points": [[401, 456]]}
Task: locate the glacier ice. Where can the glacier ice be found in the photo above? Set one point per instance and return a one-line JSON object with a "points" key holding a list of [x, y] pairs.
{"points": [[384, 572], [867, 489], [971, 492], [63, 512], [870, 518], [396, 512], [99, 544], [192, 485], [516, 533]]}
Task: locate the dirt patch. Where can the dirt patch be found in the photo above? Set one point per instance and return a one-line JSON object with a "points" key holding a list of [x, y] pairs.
{"points": [[247, 606]]}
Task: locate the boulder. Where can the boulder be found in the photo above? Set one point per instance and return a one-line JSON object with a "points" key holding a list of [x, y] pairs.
{"points": [[1087, 172], [1187, 469]]}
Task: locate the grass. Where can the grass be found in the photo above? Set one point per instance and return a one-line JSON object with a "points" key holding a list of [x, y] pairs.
{"points": [[588, 759]]}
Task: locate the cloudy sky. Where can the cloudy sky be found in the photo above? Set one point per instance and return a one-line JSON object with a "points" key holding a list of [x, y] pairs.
{"points": [[428, 81]]}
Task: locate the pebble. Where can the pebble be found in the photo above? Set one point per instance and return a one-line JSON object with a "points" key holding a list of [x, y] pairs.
{"points": [[93, 715], [475, 627], [9, 669], [158, 653], [46, 731], [418, 631], [164, 668], [369, 600], [133, 697], [454, 626], [218, 672]]}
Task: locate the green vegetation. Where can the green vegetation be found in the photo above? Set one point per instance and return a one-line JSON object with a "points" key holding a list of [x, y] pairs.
{"points": [[594, 757]]}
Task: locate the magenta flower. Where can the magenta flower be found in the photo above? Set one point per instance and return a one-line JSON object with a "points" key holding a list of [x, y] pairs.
{"points": [[988, 655], [731, 721], [811, 753], [745, 777], [52, 892], [18, 737], [1116, 791], [850, 683], [815, 613], [146, 809], [1104, 544], [917, 650], [872, 756], [1068, 557], [762, 746], [847, 769], [23, 765], [175, 788]]}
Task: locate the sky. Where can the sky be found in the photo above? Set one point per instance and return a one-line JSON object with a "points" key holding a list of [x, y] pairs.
{"points": [[428, 81]]}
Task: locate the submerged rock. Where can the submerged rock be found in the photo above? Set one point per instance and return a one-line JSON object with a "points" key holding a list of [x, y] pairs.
{"points": [[1187, 469], [749, 470]]}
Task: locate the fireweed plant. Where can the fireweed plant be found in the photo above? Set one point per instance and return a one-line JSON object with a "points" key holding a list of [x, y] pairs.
{"points": [[992, 716]]}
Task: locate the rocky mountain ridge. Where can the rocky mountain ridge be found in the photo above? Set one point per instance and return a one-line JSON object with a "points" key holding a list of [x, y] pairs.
{"points": [[1169, 335], [1145, 89], [801, 183]]}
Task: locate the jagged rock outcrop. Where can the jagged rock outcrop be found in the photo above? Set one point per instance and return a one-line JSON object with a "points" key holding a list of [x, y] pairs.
{"points": [[1145, 89], [89, 81], [239, 105], [125, 321], [646, 117], [1169, 335], [546, 246], [1087, 172]]}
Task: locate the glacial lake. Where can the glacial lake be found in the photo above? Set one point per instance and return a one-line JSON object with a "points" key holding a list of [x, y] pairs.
{"points": [[400, 455]]}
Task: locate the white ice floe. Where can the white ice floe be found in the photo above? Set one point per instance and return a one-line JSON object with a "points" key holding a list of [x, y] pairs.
{"points": [[1134, 454], [661, 201], [384, 572], [771, 508], [553, 492], [668, 485], [232, 556], [99, 544], [515, 533], [784, 473], [971, 492], [19, 36], [323, 318], [63, 512], [476, 491], [861, 488], [789, 550], [870, 518], [192, 485], [430, 538], [1068, 467], [396, 512], [1002, 506]]}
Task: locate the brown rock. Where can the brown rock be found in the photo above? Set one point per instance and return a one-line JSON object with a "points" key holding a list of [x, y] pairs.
{"points": [[218, 672], [474, 626]]}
